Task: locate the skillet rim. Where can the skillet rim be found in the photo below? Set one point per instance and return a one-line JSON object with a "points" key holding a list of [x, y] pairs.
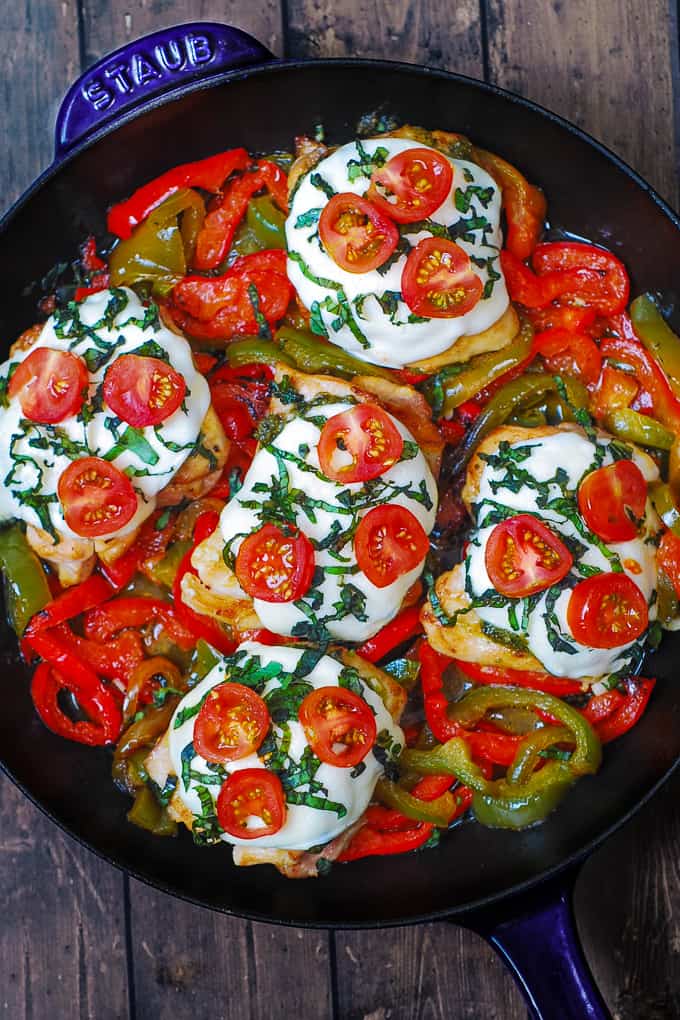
{"points": [[276, 67]]}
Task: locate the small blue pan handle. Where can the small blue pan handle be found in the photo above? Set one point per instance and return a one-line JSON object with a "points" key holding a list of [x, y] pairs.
{"points": [[149, 68], [536, 937]]}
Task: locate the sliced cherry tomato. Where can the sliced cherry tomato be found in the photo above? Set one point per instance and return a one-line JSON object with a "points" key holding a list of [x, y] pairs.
{"points": [[97, 498], [143, 391], [524, 556], [608, 295], [356, 234], [232, 723], [247, 794], [606, 611], [572, 353], [274, 566], [50, 385], [438, 281], [668, 559], [339, 726], [611, 500], [359, 444], [411, 185], [389, 542]]}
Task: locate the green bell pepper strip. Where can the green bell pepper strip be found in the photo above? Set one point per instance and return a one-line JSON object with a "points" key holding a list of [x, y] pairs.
{"points": [[164, 571], [26, 587], [505, 806], [638, 428], [455, 384], [668, 604], [147, 813], [665, 505], [437, 812], [658, 337], [527, 388], [255, 351], [159, 250], [529, 751], [316, 356], [266, 222]]}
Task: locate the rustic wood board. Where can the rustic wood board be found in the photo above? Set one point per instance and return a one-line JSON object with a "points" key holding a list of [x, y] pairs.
{"points": [[611, 68]]}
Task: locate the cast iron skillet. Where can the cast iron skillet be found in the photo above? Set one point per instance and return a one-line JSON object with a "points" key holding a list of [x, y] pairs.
{"points": [[175, 96]]}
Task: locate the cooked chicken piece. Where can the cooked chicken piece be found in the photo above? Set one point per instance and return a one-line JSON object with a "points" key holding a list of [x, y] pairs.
{"points": [[449, 142], [27, 339], [308, 153], [72, 558], [412, 410], [291, 863], [497, 336], [202, 469]]}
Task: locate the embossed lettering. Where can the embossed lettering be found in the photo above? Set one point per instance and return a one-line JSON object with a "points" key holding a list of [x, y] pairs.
{"points": [[119, 76], [143, 70], [169, 55], [97, 95], [199, 48]]}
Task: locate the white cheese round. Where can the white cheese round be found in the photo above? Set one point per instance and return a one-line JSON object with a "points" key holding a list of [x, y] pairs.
{"points": [[364, 312], [33, 457], [344, 793]]}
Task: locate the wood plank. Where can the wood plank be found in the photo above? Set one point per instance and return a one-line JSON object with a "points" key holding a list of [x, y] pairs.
{"points": [[436, 971], [606, 66], [31, 85], [62, 937], [189, 963], [436, 32], [108, 24]]}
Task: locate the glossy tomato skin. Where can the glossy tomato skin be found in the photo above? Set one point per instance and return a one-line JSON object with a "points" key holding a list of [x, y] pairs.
{"points": [[411, 185], [274, 566], [606, 611], [232, 723], [368, 435], [356, 234], [143, 390], [332, 716], [247, 793], [389, 542], [97, 498], [438, 281], [51, 385], [523, 556], [612, 499]]}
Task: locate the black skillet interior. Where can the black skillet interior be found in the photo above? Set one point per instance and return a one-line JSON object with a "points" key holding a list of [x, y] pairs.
{"points": [[590, 196]]}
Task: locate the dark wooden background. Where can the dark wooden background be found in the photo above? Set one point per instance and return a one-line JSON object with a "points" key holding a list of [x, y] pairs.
{"points": [[78, 939]]}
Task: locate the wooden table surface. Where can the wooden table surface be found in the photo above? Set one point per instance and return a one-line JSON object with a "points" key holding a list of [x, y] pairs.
{"points": [[77, 938]]}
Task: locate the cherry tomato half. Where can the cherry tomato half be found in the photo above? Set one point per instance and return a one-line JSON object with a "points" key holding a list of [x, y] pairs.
{"points": [[438, 281], [411, 185], [611, 500], [359, 444], [274, 566], [389, 542], [50, 385], [247, 794], [232, 723], [339, 726], [524, 556], [356, 234], [606, 611], [96, 497], [143, 391]]}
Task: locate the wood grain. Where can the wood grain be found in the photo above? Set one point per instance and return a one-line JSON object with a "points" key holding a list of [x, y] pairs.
{"points": [[608, 67], [62, 935], [432, 32], [39, 60]]}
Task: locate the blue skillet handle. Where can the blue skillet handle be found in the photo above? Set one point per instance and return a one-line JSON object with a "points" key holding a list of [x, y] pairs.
{"points": [[536, 937], [147, 69]]}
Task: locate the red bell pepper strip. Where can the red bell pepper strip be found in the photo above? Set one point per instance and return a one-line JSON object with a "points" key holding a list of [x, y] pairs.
{"points": [[409, 378], [99, 282], [452, 431], [201, 626], [404, 626], [209, 174], [607, 293], [468, 411], [623, 718], [384, 832], [89, 259], [275, 181], [571, 317], [655, 395], [116, 660], [431, 787], [105, 621], [69, 604], [602, 705], [519, 678], [614, 390], [573, 353], [237, 373], [523, 203], [535, 291], [668, 559], [204, 362], [97, 702]]}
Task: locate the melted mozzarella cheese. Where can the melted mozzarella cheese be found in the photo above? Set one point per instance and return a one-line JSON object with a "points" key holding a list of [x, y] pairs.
{"points": [[33, 457], [358, 311], [344, 793], [547, 632], [342, 598]]}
